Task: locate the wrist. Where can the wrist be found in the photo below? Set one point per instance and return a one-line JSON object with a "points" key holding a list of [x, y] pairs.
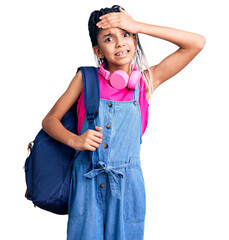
{"points": [[72, 140], [139, 27]]}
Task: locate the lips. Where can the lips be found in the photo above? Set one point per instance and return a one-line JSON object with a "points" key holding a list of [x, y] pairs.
{"points": [[121, 53]]}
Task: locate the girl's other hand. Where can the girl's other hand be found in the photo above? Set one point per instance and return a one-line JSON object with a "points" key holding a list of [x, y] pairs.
{"points": [[121, 20], [89, 140]]}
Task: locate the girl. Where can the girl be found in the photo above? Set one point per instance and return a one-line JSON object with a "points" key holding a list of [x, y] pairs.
{"points": [[109, 201]]}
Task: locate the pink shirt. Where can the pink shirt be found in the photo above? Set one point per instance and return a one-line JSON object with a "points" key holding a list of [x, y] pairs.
{"points": [[110, 93]]}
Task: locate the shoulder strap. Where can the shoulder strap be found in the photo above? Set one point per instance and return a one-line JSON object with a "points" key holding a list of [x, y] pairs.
{"points": [[91, 98], [91, 93]]}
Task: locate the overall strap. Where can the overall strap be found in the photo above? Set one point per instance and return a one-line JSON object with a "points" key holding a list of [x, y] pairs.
{"points": [[136, 92]]}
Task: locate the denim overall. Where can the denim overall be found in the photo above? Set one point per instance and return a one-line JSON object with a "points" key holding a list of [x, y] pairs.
{"points": [[108, 202]]}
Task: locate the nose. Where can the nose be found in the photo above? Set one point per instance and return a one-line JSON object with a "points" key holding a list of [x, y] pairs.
{"points": [[120, 42]]}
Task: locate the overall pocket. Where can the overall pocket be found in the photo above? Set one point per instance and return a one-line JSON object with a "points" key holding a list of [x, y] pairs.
{"points": [[134, 194]]}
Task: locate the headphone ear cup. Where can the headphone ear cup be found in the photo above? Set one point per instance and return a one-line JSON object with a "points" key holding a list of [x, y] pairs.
{"points": [[119, 79], [134, 79]]}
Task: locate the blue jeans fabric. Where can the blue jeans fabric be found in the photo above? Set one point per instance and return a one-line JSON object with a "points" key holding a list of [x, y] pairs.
{"points": [[108, 202]]}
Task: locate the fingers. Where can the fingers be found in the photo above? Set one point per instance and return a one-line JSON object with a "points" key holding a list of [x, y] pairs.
{"points": [[125, 12], [98, 128], [93, 145], [97, 136], [109, 24], [109, 21], [116, 19], [96, 139], [108, 15]]}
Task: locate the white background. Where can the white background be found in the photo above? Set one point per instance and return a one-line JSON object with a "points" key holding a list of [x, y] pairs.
{"points": [[184, 153]]}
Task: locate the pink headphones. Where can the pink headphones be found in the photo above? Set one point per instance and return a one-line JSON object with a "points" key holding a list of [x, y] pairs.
{"points": [[120, 79]]}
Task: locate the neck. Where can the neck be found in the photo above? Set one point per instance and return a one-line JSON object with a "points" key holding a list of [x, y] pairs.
{"points": [[111, 68]]}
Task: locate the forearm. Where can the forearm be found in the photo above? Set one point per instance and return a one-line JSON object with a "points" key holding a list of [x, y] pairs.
{"points": [[55, 129], [181, 38]]}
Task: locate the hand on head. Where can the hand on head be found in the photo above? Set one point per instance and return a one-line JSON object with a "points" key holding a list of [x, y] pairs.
{"points": [[120, 19]]}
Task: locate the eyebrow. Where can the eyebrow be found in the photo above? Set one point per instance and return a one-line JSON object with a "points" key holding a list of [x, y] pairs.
{"points": [[109, 34]]}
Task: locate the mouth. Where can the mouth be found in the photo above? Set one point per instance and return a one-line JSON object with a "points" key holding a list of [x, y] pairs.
{"points": [[122, 54]]}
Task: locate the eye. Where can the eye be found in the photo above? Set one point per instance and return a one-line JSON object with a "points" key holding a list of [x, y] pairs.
{"points": [[108, 39], [126, 34]]}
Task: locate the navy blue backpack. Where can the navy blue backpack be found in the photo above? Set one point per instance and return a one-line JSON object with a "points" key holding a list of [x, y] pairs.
{"points": [[49, 165]]}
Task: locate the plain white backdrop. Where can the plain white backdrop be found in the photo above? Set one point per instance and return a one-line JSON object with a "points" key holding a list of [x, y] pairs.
{"points": [[184, 153]]}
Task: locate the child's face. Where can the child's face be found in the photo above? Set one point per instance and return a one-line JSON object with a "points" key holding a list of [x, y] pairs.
{"points": [[112, 41]]}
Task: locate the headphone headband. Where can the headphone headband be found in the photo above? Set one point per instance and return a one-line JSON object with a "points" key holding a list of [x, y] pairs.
{"points": [[106, 74]]}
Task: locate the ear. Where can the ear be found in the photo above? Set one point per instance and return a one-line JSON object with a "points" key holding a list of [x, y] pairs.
{"points": [[98, 52]]}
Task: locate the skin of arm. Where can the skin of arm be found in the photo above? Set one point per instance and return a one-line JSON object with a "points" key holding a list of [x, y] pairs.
{"points": [[51, 123], [190, 44]]}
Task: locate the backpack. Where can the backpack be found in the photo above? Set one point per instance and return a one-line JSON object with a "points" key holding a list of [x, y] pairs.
{"points": [[49, 165]]}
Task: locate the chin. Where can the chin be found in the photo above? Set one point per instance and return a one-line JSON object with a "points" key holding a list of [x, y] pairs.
{"points": [[122, 62]]}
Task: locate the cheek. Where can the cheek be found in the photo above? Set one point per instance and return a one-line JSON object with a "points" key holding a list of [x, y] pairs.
{"points": [[109, 50], [133, 48], [131, 43]]}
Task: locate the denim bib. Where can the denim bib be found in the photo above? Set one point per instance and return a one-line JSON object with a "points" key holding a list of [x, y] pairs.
{"points": [[108, 201]]}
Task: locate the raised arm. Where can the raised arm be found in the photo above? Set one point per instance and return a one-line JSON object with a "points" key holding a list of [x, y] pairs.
{"points": [[190, 44]]}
